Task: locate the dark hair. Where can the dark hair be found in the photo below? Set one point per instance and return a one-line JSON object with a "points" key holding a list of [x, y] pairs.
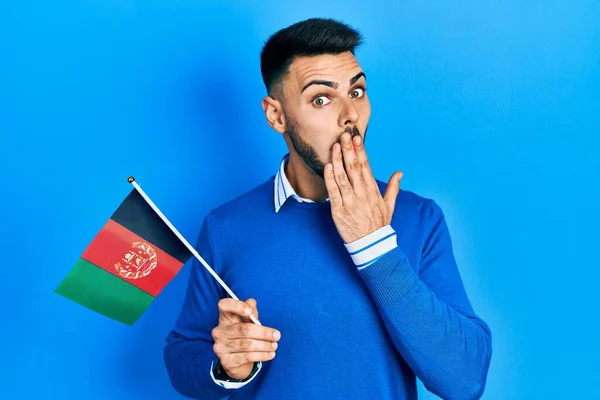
{"points": [[311, 37]]}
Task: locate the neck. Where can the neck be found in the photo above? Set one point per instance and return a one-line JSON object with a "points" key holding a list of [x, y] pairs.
{"points": [[304, 180]]}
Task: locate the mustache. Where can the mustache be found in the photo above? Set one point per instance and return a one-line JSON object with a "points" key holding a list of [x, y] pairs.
{"points": [[352, 131]]}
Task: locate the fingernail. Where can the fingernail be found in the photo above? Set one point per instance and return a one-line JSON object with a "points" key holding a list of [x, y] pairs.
{"points": [[272, 354], [329, 167], [274, 345], [247, 311], [276, 335], [357, 139]]}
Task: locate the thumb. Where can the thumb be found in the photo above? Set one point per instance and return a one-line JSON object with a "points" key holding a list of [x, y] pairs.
{"points": [[252, 304], [391, 192]]}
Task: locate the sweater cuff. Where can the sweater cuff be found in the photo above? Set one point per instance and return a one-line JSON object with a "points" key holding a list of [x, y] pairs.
{"points": [[366, 250], [390, 277]]}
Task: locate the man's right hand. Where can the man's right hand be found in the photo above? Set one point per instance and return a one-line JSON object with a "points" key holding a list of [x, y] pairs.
{"points": [[239, 342]]}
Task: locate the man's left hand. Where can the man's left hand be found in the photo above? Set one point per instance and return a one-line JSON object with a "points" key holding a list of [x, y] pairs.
{"points": [[357, 206]]}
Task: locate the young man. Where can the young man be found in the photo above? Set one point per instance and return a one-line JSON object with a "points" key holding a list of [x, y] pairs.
{"points": [[358, 289]]}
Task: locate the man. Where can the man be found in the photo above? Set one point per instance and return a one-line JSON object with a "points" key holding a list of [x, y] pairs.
{"points": [[356, 281]]}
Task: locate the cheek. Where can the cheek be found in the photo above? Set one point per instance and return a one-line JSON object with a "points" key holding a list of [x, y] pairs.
{"points": [[319, 126], [324, 139], [365, 111], [322, 133]]}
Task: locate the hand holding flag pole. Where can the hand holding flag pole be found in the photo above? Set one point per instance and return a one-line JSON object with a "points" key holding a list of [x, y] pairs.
{"points": [[192, 250]]}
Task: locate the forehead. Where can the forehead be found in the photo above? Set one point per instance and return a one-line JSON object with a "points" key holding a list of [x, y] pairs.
{"points": [[339, 68]]}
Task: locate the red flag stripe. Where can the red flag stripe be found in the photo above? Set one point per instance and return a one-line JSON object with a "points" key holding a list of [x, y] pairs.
{"points": [[128, 256]]}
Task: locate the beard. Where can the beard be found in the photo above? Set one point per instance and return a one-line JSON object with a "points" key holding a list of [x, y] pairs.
{"points": [[308, 154]]}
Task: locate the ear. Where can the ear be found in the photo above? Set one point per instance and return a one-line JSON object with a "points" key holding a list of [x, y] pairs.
{"points": [[274, 114]]}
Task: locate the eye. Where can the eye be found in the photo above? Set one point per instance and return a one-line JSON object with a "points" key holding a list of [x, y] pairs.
{"points": [[357, 92], [320, 101]]}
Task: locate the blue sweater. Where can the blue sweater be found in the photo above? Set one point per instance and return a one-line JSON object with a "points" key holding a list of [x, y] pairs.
{"points": [[345, 333]]}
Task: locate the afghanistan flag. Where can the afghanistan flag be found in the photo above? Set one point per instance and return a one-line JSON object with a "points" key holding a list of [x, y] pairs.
{"points": [[127, 264]]}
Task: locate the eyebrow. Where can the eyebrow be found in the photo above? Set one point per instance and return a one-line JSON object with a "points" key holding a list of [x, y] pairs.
{"points": [[333, 85]]}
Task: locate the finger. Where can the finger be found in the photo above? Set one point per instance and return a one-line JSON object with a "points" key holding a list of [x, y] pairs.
{"points": [[391, 192], [363, 160], [252, 304], [335, 197], [234, 360], [242, 345], [244, 330], [339, 174], [351, 163], [230, 310]]}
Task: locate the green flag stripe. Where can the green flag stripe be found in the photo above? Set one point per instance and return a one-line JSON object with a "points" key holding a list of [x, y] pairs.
{"points": [[101, 291]]}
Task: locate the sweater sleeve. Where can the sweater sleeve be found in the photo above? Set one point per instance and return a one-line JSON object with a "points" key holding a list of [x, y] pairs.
{"points": [[188, 354], [429, 317]]}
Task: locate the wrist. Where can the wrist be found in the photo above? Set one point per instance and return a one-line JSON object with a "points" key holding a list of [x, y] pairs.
{"points": [[369, 248], [221, 374]]}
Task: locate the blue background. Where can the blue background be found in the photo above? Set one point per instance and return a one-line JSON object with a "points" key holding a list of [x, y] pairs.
{"points": [[491, 108]]}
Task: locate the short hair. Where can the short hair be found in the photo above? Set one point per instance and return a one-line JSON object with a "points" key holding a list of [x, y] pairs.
{"points": [[311, 37]]}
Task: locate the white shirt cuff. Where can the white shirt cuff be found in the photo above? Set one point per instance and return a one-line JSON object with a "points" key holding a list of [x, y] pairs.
{"points": [[366, 250], [233, 385]]}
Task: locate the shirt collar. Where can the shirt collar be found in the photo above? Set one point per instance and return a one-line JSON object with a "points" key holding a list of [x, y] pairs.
{"points": [[283, 188]]}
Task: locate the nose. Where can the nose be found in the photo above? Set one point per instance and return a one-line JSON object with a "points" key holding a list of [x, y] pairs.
{"points": [[349, 114]]}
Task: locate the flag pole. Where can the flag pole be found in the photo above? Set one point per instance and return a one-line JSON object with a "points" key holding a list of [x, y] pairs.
{"points": [[131, 180]]}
